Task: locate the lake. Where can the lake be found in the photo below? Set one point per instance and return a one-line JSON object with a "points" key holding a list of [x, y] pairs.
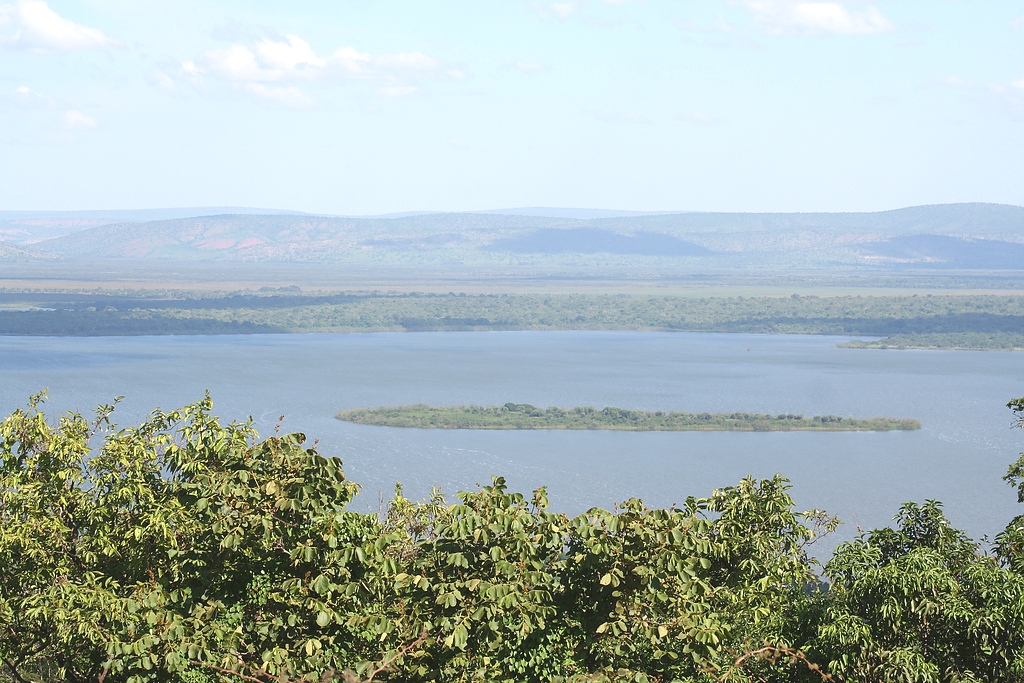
{"points": [[958, 457]]}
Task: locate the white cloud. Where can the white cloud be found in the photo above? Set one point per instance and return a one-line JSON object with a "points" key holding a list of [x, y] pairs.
{"points": [[76, 120], [292, 61], [811, 18], [27, 97], [570, 8], [1007, 88], [236, 63], [1008, 97], [162, 81], [295, 56], [351, 60], [562, 10], [268, 61], [1018, 23], [31, 25]]}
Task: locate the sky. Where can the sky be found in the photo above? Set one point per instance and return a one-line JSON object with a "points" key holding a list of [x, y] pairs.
{"points": [[376, 106]]}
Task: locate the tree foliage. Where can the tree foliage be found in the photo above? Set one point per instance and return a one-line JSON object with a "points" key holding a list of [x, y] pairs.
{"points": [[185, 549], [942, 321]]}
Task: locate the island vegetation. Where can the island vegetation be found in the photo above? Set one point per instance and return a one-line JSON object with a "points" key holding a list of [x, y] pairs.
{"points": [[965, 341], [526, 416], [187, 550]]}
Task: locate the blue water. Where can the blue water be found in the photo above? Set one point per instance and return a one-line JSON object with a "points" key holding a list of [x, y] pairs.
{"points": [[958, 457]]}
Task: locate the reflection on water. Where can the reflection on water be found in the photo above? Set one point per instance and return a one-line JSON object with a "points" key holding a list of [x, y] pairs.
{"points": [[958, 457]]}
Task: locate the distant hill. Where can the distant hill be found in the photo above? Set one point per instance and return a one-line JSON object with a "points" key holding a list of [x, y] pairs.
{"points": [[594, 241], [28, 227], [12, 253], [943, 251], [283, 237], [580, 214], [140, 215], [955, 236], [961, 219]]}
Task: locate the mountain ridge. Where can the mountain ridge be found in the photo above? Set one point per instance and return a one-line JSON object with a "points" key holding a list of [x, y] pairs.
{"points": [[738, 239]]}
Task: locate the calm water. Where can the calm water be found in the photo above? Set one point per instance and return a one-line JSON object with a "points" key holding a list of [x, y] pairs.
{"points": [[958, 457]]}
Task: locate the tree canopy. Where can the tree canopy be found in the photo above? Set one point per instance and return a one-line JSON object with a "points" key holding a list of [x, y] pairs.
{"points": [[187, 549]]}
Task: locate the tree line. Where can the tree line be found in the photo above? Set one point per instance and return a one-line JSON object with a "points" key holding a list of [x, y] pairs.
{"points": [[948, 321], [186, 549]]}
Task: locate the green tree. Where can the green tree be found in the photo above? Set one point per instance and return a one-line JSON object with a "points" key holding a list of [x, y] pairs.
{"points": [[184, 549], [1010, 543], [55, 609], [176, 545], [923, 602], [511, 591]]}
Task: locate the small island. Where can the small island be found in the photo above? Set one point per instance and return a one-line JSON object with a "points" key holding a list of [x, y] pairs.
{"points": [[526, 416]]}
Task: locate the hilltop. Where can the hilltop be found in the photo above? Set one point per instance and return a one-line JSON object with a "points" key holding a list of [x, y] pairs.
{"points": [[954, 236]]}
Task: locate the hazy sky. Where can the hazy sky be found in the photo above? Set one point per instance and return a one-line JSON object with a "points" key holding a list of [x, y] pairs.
{"points": [[374, 106]]}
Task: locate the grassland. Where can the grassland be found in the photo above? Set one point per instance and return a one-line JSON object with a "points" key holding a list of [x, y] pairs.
{"points": [[525, 416]]}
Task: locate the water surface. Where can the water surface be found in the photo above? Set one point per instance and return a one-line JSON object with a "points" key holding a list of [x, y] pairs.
{"points": [[958, 457]]}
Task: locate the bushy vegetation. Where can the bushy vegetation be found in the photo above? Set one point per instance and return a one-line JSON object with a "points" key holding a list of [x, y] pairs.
{"points": [[184, 549], [968, 321], [526, 416], [991, 341]]}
